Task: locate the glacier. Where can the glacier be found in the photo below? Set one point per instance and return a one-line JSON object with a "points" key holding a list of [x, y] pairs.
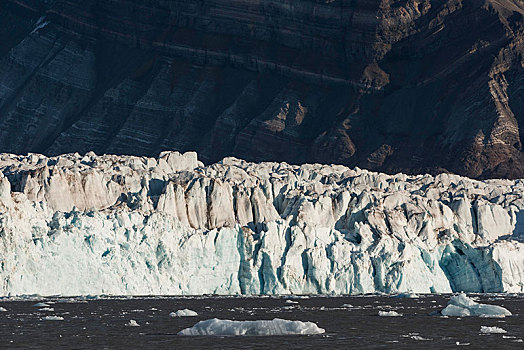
{"points": [[125, 225]]}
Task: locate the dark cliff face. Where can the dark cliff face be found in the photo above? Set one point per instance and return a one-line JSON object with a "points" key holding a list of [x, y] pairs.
{"points": [[411, 86]]}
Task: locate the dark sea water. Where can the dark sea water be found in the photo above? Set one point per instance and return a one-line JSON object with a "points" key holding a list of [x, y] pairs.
{"points": [[101, 323]]}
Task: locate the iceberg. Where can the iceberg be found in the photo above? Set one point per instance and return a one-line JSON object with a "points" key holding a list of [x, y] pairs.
{"points": [[124, 225], [389, 313], [183, 313], [52, 318], [132, 323], [460, 306], [254, 328], [48, 309], [41, 305], [3, 309], [492, 330]]}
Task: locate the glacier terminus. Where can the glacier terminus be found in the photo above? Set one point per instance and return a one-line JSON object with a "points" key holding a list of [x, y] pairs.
{"points": [[127, 225]]}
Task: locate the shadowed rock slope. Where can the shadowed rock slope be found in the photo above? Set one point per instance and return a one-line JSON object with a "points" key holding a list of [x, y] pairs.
{"points": [[413, 86]]}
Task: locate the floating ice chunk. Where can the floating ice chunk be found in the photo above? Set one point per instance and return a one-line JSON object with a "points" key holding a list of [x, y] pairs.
{"points": [[461, 344], [183, 313], [460, 305], [291, 302], [3, 309], [408, 295], [259, 328], [492, 330], [347, 305], [49, 309], [132, 323], [41, 305], [389, 313], [418, 337], [53, 318]]}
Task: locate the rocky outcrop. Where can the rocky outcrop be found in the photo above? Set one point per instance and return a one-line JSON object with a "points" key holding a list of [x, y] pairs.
{"points": [[408, 85], [92, 224]]}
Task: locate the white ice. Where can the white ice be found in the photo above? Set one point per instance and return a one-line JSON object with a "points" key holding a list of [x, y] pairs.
{"points": [[52, 318], [460, 305], [257, 328], [124, 225], [408, 295], [3, 309], [492, 330], [41, 305], [183, 313], [389, 313], [132, 323]]}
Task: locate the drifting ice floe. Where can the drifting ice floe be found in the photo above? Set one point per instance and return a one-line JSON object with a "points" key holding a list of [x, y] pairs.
{"points": [[183, 313], [169, 225], [132, 323], [3, 309], [41, 305], [460, 305], [492, 330], [53, 318], [389, 313], [259, 328], [408, 295]]}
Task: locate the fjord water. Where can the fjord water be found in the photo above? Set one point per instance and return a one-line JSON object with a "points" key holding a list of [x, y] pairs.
{"points": [[102, 322]]}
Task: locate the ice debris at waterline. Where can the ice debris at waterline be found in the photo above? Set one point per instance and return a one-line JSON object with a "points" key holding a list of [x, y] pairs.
{"points": [[41, 305], [389, 313], [460, 305], [132, 323], [276, 326], [124, 225], [52, 318], [183, 313], [492, 330], [407, 296]]}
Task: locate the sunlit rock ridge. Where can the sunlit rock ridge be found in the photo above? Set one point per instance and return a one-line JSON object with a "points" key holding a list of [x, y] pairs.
{"points": [[76, 225]]}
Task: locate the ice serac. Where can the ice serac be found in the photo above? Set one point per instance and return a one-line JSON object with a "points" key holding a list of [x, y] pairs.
{"points": [[91, 224]]}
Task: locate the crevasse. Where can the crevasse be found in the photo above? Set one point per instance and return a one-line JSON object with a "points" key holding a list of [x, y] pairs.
{"points": [[76, 225]]}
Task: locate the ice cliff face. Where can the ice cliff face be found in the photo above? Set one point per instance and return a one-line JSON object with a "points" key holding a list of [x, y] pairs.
{"points": [[134, 225]]}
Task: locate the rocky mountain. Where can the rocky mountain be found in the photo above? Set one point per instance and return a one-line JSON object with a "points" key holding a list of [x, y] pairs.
{"points": [[389, 85]]}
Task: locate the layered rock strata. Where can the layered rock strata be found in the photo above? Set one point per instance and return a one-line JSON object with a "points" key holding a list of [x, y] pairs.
{"points": [[391, 85], [129, 225]]}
